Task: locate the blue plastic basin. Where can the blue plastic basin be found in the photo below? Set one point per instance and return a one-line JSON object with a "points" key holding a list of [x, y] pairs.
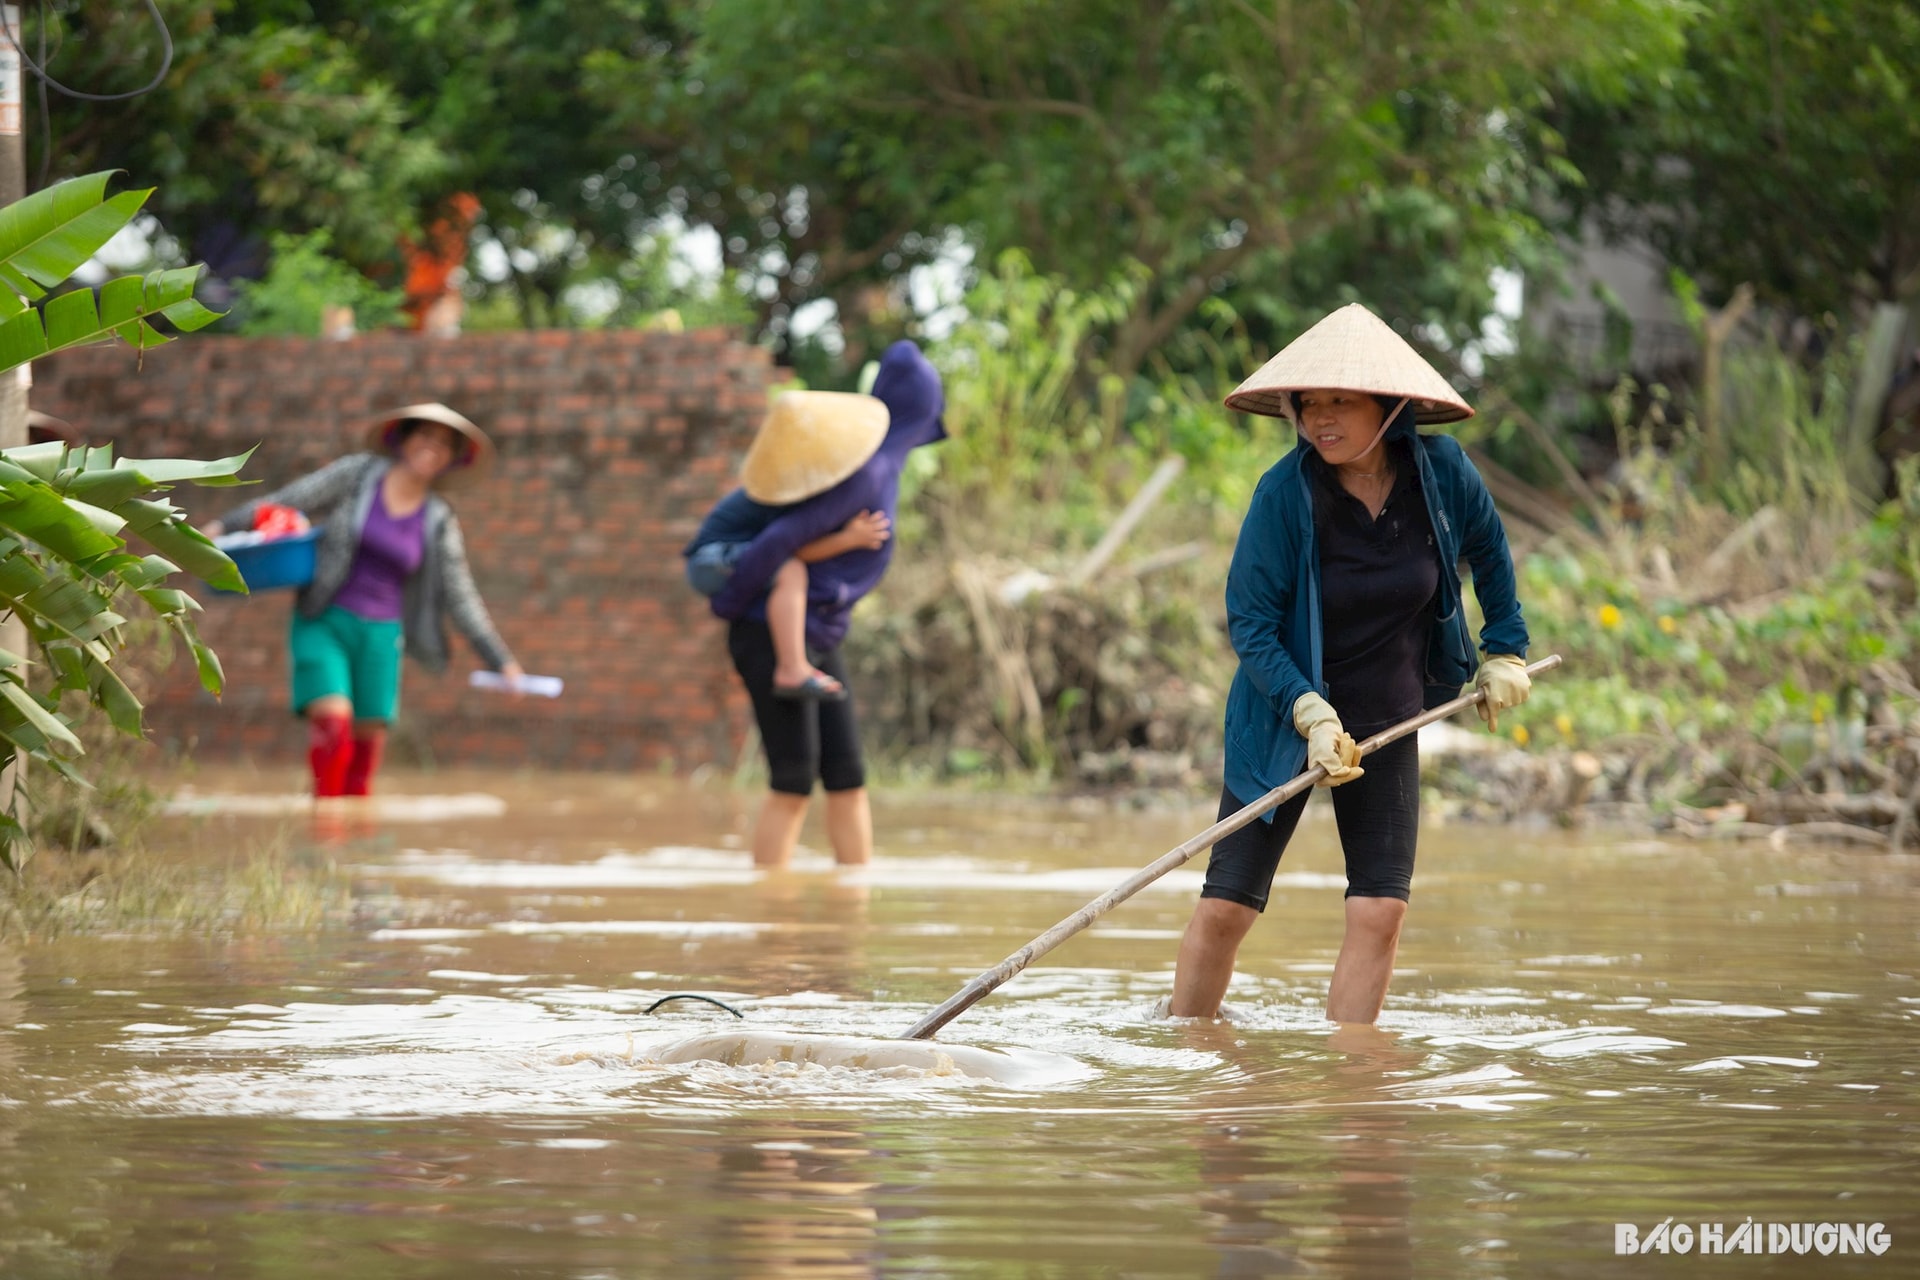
{"points": [[271, 564]]}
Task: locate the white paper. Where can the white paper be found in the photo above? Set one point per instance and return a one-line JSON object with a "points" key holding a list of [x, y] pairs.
{"points": [[535, 686]]}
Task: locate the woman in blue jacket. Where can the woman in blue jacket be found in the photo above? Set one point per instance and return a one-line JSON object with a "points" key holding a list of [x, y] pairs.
{"points": [[1344, 605]]}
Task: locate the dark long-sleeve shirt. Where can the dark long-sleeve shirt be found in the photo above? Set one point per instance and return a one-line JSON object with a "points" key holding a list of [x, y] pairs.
{"points": [[1379, 579], [911, 389], [735, 518]]}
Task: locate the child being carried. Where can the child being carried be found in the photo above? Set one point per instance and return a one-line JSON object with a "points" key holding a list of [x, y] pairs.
{"points": [[811, 441]]}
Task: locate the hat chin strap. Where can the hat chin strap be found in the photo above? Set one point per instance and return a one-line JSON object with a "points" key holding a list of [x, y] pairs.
{"points": [[1378, 436]]}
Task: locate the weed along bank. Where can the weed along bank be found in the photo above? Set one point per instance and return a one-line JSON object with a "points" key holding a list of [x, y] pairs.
{"points": [[611, 446]]}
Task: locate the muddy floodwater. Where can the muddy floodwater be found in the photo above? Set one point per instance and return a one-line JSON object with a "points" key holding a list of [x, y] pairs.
{"points": [[1584, 1030]]}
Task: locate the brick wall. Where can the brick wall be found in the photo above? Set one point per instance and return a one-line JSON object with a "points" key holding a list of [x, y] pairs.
{"points": [[612, 446]]}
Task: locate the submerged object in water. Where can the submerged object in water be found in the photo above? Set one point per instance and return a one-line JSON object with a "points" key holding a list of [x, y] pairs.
{"points": [[750, 1048]]}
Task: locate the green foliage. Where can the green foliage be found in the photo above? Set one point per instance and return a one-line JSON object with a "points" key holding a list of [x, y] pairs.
{"points": [[66, 513], [1785, 422], [67, 574], [357, 117], [1044, 446], [1221, 148], [1784, 151], [304, 278], [270, 120], [1015, 404], [44, 239], [1766, 626]]}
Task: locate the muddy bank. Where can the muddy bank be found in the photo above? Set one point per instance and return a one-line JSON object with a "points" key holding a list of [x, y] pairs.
{"points": [[1868, 797], [1121, 689]]}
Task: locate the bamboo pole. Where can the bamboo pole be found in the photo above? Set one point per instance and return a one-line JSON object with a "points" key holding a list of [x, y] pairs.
{"points": [[970, 994], [1157, 484]]}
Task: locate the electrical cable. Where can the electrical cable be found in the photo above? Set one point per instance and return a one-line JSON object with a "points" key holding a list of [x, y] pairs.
{"points": [[688, 995], [39, 68]]}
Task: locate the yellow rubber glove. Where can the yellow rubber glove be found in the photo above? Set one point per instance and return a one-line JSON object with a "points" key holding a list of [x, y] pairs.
{"points": [[1507, 683], [1328, 745]]}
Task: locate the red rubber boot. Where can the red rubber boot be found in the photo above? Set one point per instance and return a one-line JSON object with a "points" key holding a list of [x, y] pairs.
{"points": [[329, 752], [364, 764]]}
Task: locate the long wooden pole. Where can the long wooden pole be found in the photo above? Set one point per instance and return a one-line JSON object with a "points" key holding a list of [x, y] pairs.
{"points": [[970, 994]]}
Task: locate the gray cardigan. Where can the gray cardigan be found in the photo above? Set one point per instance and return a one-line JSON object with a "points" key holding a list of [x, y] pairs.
{"points": [[440, 589]]}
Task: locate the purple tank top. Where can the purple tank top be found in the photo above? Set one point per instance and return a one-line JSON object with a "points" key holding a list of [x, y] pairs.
{"points": [[391, 548]]}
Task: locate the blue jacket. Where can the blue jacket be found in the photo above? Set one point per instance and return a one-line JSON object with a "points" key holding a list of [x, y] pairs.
{"points": [[1273, 604], [915, 400]]}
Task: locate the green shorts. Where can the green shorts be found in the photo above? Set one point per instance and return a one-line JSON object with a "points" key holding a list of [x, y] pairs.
{"points": [[343, 655]]}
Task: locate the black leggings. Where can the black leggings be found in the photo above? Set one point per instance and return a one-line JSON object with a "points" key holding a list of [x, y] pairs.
{"points": [[1378, 815], [804, 740]]}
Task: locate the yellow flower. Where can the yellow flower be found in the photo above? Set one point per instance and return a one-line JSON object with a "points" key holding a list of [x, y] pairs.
{"points": [[1520, 734], [1564, 723], [1668, 626], [1609, 616]]}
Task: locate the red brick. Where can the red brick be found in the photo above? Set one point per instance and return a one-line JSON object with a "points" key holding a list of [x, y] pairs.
{"points": [[575, 537]]}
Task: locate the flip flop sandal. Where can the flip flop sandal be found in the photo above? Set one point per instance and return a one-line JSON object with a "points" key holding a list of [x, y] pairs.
{"points": [[815, 688]]}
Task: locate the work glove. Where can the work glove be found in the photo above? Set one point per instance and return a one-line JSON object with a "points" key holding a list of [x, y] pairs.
{"points": [[1504, 677], [1328, 745]]}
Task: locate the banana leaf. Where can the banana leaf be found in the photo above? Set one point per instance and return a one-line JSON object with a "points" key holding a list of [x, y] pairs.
{"points": [[145, 571], [19, 573], [110, 485], [169, 600], [162, 525], [69, 665], [49, 235], [14, 849], [42, 721], [75, 319], [218, 473], [43, 460], [73, 531], [74, 610], [212, 677], [106, 488], [65, 512], [111, 695]]}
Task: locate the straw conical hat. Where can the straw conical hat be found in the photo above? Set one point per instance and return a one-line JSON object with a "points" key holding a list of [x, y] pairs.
{"points": [[1350, 350], [810, 442], [383, 437]]}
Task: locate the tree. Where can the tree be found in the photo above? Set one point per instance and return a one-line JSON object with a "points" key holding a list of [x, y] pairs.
{"points": [[1217, 146], [265, 122], [1784, 152], [362, 119], [65, 568]]}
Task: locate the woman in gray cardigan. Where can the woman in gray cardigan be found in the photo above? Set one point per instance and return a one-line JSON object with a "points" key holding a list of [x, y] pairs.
{"points": [[390, 572]]}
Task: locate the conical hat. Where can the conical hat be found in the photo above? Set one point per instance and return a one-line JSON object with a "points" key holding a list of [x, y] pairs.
{"points": [[810, 442], [383, 436], [1350, 350]]}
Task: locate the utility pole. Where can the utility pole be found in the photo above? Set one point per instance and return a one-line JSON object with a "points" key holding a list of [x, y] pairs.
{"points": [[13, 186], [13, 382]]}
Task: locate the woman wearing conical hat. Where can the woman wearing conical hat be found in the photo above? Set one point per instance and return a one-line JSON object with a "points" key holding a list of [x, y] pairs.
{"points": [[810, 442], [390, 572], [852, 472], [1344, 605]]}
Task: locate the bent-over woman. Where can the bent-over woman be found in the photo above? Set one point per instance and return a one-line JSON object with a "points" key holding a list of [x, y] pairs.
{"points": [[1344, 605], [812, 741], [391, 572]]}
